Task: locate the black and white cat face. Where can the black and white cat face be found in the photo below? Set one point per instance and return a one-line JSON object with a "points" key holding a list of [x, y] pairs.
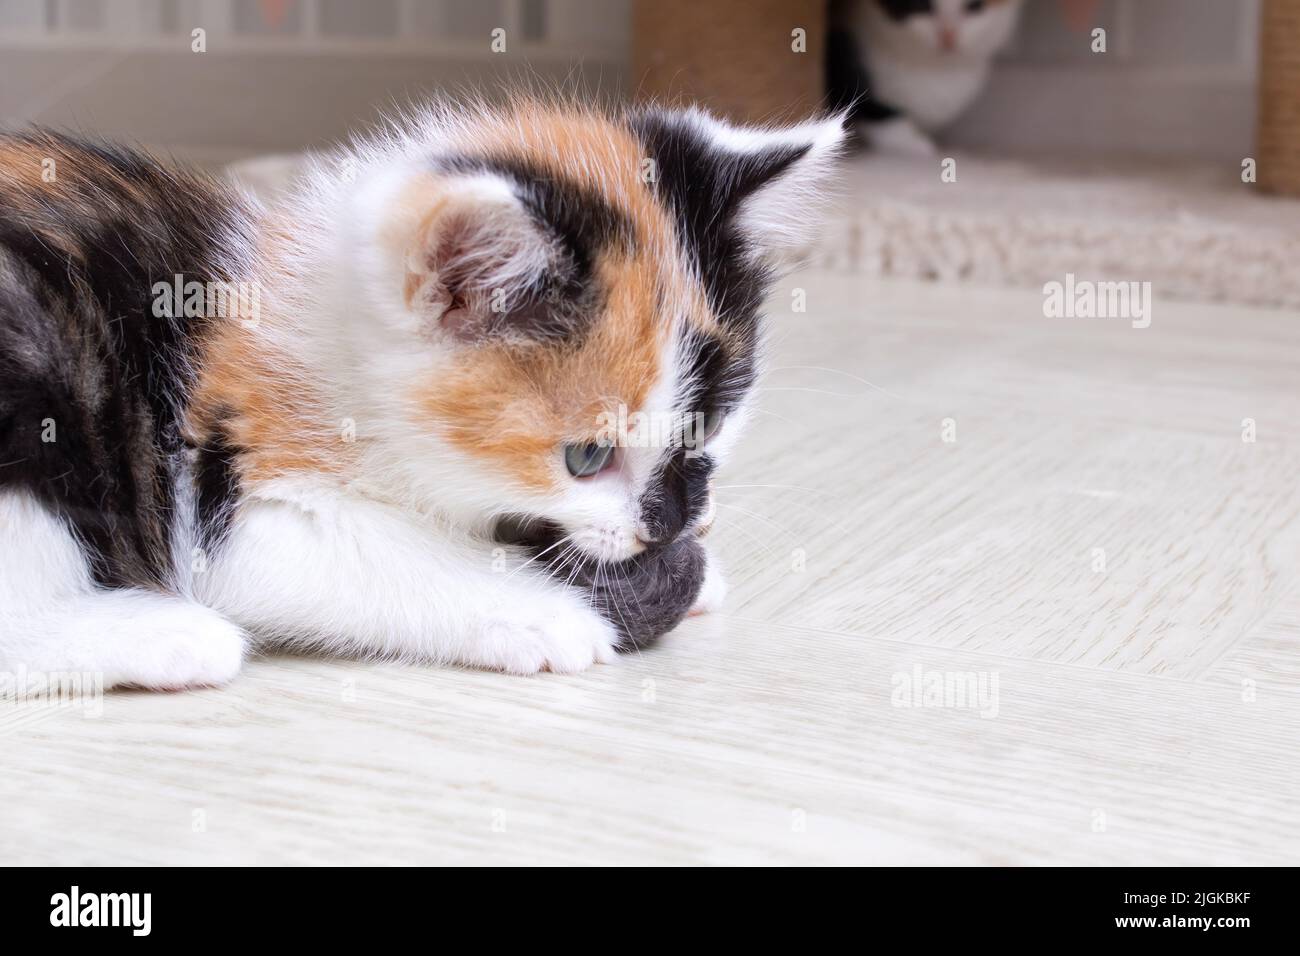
{"points": [[959, 28]]}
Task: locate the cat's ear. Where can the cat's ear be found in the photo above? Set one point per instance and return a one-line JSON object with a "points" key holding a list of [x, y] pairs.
{"points": [[475, 263], [766, 183], [781, 177]]}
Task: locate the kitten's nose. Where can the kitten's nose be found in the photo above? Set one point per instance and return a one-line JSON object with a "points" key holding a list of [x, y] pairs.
{"points": [[947, 37]]}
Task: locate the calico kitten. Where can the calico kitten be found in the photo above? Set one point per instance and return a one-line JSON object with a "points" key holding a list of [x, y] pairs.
{"points": [[326, 426], [910, 67]]}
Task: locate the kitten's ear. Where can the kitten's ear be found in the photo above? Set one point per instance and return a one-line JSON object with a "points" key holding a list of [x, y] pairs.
{"points": [[476, 261], [769, 183], [782, 177]]}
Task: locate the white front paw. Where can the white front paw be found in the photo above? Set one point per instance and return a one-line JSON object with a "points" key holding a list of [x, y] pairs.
{"points": [[901, 137], [552, 633], [181, 646], [713, 591]]}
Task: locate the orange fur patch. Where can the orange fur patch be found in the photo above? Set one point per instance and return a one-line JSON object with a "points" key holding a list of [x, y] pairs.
{"points": [[269, 416], [262, 399], [20, 169], [24, 186], [74, 175], [514, 405]]}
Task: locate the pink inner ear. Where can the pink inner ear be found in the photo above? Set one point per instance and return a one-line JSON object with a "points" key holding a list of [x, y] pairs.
{"points": [[473, 264]]}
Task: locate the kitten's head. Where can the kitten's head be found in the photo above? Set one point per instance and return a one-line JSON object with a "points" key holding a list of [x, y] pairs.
{"points": [[558, 314], [970, 28]]}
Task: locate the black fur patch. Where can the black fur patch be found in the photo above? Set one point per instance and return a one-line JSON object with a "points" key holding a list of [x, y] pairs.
{"points": [[718, 378], [676, 496], [902, 9], [643, 597], [216, 485], [647, 596], [703, 187], [92, 383]]}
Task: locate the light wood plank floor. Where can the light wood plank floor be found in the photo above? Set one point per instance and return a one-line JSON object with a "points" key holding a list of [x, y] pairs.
{"points": [[1098, 551]]}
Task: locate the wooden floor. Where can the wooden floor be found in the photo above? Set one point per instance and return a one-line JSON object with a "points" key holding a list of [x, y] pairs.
{"points": [[1099, 552]]}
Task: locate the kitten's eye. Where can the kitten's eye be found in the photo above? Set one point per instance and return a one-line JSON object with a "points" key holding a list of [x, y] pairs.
{"points": [[583, 461], [974, 6]]}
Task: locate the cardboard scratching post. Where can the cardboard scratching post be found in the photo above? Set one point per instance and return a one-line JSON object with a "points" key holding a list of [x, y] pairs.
{"points": [[1278, 137], [733, 56]]}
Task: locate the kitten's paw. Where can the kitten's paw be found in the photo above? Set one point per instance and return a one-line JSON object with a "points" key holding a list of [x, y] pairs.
{"points": [[713, 591], [181, 647], [901, 137], [561, 635]]}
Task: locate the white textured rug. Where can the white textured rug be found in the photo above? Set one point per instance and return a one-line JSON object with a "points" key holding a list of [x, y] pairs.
{"points": [[1194, 232]]}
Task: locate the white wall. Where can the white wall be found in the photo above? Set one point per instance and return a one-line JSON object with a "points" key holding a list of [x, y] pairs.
{"points": [[280, 74], [1178, 78]]}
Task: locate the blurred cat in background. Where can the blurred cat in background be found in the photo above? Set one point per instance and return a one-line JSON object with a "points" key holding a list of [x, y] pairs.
{"points": [[910, 67]]}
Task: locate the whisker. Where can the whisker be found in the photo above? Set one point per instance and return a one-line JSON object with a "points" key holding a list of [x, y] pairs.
{"points": [[536, 557], [832, 371], [752, 537], [602, 581], [753, 514], [818, 511], [811, 491], [813, 391]]}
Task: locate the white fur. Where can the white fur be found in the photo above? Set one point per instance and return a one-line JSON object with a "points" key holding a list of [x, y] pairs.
{"points": [[53, 619], [309, 564], [714, 589], [901, 137]]}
